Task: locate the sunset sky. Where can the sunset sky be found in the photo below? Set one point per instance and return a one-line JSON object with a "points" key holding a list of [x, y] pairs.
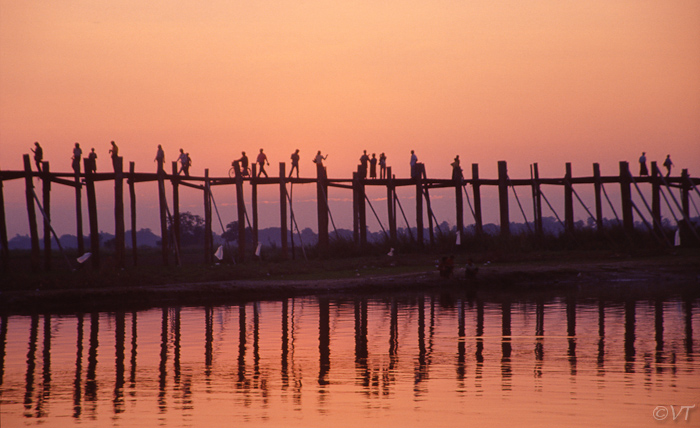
{"points": [[523, 81]]}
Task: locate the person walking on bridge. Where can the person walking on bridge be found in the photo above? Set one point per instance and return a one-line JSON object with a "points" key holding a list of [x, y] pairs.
{"points": [[643, 165], [77, 154], [184, 163], [262, 160], [382, 166], [38, 155], [160, 158], [668, 164], [414, 165], [92, 156], [295, 163], [114, 151]]}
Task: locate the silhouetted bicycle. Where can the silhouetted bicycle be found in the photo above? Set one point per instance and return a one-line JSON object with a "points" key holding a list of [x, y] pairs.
{"points": [[232, 172]]}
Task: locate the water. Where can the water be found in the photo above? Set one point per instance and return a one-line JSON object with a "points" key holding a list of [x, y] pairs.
{"points": [[392, 361]]}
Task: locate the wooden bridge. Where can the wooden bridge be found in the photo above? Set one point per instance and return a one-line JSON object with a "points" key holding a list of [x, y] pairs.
{"points": [[356, 184]]}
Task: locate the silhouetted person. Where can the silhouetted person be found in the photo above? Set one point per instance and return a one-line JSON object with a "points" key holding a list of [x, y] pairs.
{"points": [[318, 160], [668, 164], [262, 160], [364, 159], [373, 166], [77, 154], [92, 156], [38, 155], [456, 169], [243, 161], [643, 164], [160, 158], [295, 163], [114, 152], [414, 165], [184, 163], [382, 166]]}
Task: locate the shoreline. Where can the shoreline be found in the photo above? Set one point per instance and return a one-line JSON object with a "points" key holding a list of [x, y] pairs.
{"points": [[656, 274]]}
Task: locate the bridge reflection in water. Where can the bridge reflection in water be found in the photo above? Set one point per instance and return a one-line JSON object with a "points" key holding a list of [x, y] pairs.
{"points": [[397, 359]]}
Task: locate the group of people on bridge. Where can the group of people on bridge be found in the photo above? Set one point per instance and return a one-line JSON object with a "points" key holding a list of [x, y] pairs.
{"points": [[644, 171], [367, 166]]}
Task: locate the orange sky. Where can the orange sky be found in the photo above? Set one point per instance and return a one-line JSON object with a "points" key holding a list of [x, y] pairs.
{"points": [[522, 81]]}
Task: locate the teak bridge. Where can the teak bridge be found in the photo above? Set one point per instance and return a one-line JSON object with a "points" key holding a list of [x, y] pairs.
{"points": [[660, 186]]}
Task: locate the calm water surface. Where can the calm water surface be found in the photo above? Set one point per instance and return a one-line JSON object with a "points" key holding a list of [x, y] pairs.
{"points": [[433, 359]]}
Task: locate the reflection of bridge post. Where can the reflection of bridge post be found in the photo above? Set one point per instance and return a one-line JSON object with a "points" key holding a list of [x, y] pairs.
{"points": [[77, 409], [601, 337], [361, 352], [461, 346], [394, 331], [420, 370], [324, 341], [539, 340], [506, 346], [241, 345], [479, 345], [31, 363], [119, 338], [208, 341], [256, 340], [659, 333], [3, 339], [176, 348], [571, 332], [46, 370], [163, 371], [91, 376], [629, 335], [134, 337], [688, 306], [285, 344]]}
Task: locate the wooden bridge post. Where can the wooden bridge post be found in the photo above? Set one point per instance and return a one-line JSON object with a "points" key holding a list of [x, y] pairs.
{"points": [[428, 206], [119, 212], [391, 206], [163, 215], [362, 206], [419, 206], [656, 196], [322, 206], [283, 209], [685, 225], [476, 186], [254, 202], [685, 194], [626, 197], [240, 204], [208, 238], [459, 205], [568, 200], [92, 213], [79, 214], [503, 197], [31, 212], [132, 198], [46, 201], [536, 198], [176, 206], [355, 209], [4, 243], [597, 187]]}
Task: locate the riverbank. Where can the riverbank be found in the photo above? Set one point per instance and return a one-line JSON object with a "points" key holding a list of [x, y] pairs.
{"points": [[519, 274]]}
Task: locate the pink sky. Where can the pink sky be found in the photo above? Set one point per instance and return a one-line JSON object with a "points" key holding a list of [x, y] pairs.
{"points": [[535, 81]]}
